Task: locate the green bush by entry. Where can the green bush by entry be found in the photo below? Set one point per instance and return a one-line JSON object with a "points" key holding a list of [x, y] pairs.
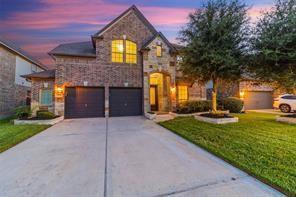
{"points": [[233, 104], [45, 115], [23, 112], [194, 106]]}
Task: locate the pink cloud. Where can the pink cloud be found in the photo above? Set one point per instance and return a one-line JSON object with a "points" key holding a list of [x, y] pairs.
{"points": [[256, 12]]}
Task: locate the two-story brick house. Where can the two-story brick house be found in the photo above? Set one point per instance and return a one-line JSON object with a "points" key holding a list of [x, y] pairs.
{"points": [[127, 68], [14, 89]]}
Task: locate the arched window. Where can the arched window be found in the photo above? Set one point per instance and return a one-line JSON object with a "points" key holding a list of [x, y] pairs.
{"points": [[131, 52], [124, 47], [117, 50]]}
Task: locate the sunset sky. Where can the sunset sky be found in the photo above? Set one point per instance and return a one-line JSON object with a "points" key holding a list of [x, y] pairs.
{"points": [[40, 25]]}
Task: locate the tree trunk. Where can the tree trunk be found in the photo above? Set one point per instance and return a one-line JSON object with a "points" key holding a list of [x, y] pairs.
{"points": [[214, 96]]}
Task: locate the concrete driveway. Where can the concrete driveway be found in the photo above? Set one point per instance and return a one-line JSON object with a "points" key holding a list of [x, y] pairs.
{"points": [[141, 159]]}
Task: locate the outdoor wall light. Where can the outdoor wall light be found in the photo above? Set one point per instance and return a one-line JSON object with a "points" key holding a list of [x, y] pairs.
{"points": [[173, 90], [59, 91], [242, 94]]}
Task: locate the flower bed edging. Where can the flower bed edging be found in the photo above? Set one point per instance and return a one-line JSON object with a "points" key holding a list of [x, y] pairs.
{"points": [[46, 122], [216, 120], [150, 116], [286, 119]]}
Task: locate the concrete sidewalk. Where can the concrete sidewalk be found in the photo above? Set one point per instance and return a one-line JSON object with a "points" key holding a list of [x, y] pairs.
{"points": [[143, 159]]}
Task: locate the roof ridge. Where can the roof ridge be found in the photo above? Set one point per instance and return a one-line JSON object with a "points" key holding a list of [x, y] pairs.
{"points": [[139, 14]]}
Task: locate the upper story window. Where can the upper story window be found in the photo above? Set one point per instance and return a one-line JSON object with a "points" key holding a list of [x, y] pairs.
{"points": [[131, 52], [117, 50], [182, 93], [124, 51], [158, 51]]}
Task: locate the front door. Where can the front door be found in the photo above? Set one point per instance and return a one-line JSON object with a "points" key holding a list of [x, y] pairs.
{"points": [[153, 98]]}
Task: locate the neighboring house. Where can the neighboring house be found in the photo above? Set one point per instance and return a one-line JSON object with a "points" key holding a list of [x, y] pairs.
{"points": [[255, 93], [14, 89], [127, 68]]}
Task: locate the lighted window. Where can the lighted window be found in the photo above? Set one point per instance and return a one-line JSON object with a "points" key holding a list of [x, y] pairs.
{"points": [[182, 93], [131, 52], [117, 50], [46, 97], [158, 51]]}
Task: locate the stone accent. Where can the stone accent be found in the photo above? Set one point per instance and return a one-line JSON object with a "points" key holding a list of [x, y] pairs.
{"points": [[164, 66], [11, 94], [37, 86]]}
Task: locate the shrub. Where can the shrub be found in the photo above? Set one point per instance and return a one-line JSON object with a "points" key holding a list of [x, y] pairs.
{"points": [[23, 112], [45, 115], [233, 104], [194, 106]]}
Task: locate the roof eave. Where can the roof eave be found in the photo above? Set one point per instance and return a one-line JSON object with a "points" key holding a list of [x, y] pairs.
{"points": [[24, 56]]}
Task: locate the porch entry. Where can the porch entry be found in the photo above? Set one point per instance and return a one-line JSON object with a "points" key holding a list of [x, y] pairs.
{"points": [[159, 92], [153, 98]]}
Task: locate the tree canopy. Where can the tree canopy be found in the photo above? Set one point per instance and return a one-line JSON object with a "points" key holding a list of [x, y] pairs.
{"points": [[274, 45], [216, 42]]}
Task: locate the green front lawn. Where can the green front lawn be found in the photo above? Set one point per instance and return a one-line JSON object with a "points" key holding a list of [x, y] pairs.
{"points": [[257, 144], [10, 134]]}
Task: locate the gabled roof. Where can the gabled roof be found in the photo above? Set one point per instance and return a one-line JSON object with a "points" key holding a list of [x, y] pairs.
{"points": [[16, 49], [81, 49], [137, 12], [170, 45], [47, 74]]}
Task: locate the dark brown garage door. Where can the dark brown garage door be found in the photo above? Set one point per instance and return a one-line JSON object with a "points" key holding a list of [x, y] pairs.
{"points": [[125, 101], [258, 100], [82, 102]]}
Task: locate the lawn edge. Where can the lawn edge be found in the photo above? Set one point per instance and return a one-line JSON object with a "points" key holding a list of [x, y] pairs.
{"points": [[14, 144], [262, 179]]}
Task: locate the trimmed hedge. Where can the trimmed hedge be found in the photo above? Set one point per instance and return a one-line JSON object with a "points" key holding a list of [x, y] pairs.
{"points": [[45, 115], [194, 106], [233, 104], [23, 112]]}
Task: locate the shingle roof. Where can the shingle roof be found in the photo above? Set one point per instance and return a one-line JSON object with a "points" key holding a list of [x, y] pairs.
{"points": [[47, 74], [178, 46], [10, 45], [84, 49], [173, 49]]}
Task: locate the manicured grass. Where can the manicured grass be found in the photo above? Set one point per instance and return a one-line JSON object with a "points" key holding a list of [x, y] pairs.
{"points": [[10, 134], [257, 144]]}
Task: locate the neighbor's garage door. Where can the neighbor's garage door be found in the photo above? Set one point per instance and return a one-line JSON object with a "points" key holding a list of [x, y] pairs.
{"points": [[258, 100], [125, 101], [84, 102]]}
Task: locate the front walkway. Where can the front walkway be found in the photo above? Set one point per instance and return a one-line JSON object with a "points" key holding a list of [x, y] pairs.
{"points": [[143, 159]]}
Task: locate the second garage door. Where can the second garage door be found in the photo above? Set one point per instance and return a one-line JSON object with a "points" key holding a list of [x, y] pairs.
{"points": [[258, 100], [125, 101]]}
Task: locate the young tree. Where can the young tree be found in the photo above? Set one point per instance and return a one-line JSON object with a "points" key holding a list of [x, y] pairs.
{"points": [[274, 45], [216, 43]]}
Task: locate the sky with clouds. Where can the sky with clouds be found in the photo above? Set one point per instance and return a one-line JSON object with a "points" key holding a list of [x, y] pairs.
{"points": [[40, 25]]}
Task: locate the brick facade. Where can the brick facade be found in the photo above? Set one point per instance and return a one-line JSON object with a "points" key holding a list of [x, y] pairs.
{"points": [[100, 71], [11, 94]]}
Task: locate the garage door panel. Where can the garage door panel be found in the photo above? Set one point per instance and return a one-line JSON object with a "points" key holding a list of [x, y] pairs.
{"points": [[258, 100], [125, 101], [84, 102]]}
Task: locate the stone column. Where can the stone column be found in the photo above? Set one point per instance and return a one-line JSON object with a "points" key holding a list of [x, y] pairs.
{"points": [[146, 92]]}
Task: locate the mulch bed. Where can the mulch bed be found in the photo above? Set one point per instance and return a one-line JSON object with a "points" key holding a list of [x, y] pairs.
{"points": [[289, 116], [216, 116], [38, 118]]}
